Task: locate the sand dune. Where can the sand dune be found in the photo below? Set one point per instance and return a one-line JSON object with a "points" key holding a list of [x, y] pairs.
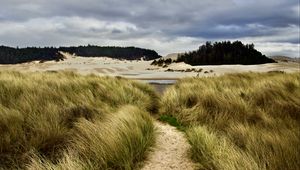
{"points": [[142, 69]]}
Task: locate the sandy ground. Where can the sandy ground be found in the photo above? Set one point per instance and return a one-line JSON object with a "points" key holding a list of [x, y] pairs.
{"points": [[170, 152], [142, 69]]}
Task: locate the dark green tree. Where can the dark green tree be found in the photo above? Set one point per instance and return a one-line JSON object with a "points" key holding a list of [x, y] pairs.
{"points": [[224, 53]]}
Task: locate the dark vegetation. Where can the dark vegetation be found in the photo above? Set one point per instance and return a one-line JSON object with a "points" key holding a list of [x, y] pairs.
{"points": [[9, 55], [225, 52], [128, 53], [171, 121], [162, 62], [186, 70]]}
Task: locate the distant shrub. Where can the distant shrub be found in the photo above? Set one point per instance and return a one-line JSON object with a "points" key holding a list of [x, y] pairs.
{"points": [[162, 62]]}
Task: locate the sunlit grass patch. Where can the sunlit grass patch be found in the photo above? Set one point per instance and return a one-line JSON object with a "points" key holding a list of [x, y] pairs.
{"points": [[64, 120], [249, 119]]}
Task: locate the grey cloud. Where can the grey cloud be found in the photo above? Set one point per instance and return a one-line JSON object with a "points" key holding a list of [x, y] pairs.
{"points": [[57, 22]]}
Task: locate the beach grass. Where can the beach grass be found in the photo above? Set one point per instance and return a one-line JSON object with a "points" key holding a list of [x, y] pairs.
{"points": [[62, 120], [239, 121]]}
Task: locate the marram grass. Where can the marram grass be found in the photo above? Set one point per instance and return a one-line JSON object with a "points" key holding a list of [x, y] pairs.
{"points": [[67, 121], [239, 121]]}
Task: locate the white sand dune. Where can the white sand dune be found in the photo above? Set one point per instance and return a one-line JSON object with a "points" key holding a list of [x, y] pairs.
{"points": [[142, 69], [172, 56]]}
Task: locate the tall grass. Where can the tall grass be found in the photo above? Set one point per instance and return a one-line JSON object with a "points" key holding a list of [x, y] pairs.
{"points": [[67, 121], [239, 121]]}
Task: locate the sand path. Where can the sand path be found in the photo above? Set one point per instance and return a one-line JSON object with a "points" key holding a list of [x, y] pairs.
{"points": [[170, 151]]}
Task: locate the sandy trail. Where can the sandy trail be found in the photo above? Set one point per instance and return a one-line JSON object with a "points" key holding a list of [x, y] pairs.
{"points": [[170, 152]]}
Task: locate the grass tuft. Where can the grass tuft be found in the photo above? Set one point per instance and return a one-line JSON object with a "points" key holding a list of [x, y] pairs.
{"points": [[64, 120], [239, 121], [171, 121]]}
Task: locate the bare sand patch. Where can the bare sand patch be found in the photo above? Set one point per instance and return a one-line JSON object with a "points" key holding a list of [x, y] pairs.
{"points": [[120, 69], [130, 67], [170, 151], [104, 70], [71, 69]]}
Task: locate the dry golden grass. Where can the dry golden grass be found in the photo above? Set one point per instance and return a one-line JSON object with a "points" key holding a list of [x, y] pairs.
{"points": [[239, 121], [67, 121]]}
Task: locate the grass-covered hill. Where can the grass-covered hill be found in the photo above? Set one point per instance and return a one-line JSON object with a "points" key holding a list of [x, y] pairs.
{"points": [[238, 121], [67, 121], [9, 55], [224, 53]]}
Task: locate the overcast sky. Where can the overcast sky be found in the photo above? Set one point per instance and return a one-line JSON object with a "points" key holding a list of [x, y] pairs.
{"points": [[163, 25]]}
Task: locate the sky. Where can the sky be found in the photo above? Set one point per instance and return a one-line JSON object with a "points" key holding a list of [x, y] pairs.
{"points": [[166, 26]]}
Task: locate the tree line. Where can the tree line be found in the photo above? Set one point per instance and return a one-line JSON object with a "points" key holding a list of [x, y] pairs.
{"points": [[225, 52], [9, 55]]}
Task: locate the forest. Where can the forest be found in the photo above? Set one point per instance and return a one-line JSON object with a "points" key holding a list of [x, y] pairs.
{"points": [[225, 52], [10, 55], [128, 53]]}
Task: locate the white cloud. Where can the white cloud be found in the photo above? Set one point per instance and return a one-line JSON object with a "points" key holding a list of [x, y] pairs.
{"points": [[81, 25], [272, 48]]}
